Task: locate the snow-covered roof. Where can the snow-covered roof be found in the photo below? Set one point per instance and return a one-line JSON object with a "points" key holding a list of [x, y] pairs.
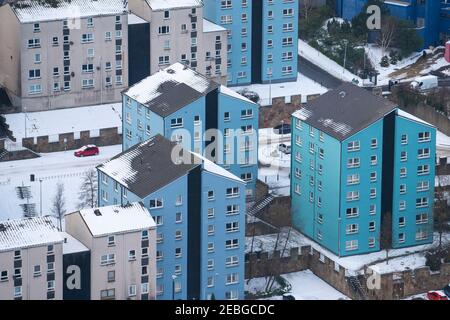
{"points": [[72, 245], [33, 11], [227, 91], [134, 19], [173, 4], [171, 89], [146, 167], [344, 111], [407, 115], [117, 219], [28, 232], [210, 166], [209, 26]]}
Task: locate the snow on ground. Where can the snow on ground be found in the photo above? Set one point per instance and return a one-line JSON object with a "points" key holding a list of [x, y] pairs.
{"points": [[55, 122], [442, 145], [409, 262], [353, 263], [304, 86], [277, 178], [375, 53], [52, 168], [307, 286], [258, 285], [270, 155], [321, 60]]}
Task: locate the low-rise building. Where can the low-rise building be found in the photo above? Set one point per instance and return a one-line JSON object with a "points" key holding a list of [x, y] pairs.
{"points": [[31, 260], [123, 252]]}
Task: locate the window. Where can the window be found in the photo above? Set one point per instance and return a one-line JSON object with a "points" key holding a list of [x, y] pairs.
{"points": [[37, 58], [402, 188], [164, 30], [352, 195], [132, 290], [247, 114], [179, 200], [159, 255], [144, 288], [422, 218], [373, 193], [210, 264], [373, 177], [232, 209], [178, 235], [232, 278], [18, 273], [352, 212], [37, 270], [108, 36], [177, 269], [87, 68], [403, 172], [166, 14], [404, 139], [231, 261], [156, 203], [131, 255], [50, 267], [55, 41], [107, 259], [402, 205], [211, 230], [373, 160], [231, 295], [176, 123], [371, 242], [423, 153], [34, 74], [34, 43], [401, 237], [353, 163], [210, 247], [422, 202], [353, 179], [232, 244], [144, 252], [421, 235], [401, 221], [232, 192], [423, 169], [111, 241], [4, 275], [87, 83], [423, 186], [351, 245], [351, 228], [232, 226], [372, 209], [159, 220], [35, 89], [177, 252], [111, 276], [374, 143], [87, 37], [403, 156], [424, 136], [178, 217], [17, 255], [108, 294], [353, 146], [17, 291], [372, 226], [210, 195], [288, 12]]}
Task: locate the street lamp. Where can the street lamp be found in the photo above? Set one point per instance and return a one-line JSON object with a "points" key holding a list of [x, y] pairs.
{"points": [[345, 55], [174, 277]]}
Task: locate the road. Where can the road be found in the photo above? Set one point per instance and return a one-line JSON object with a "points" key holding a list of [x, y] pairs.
{"points": [[317, 74]]}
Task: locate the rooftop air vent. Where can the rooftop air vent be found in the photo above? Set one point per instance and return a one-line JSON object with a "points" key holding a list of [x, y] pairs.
{"points": [[97, 212], [2, 227], [170, 71], [342, 94]]}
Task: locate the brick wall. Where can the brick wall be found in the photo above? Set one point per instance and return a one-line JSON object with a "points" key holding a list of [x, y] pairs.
{"points": [[67, 141]]}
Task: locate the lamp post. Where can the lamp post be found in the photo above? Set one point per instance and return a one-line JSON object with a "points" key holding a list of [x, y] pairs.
{"points": [[174, 277], [345, 55]]}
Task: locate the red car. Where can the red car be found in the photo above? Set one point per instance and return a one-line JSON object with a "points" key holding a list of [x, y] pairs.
{"points": [[87, 151], [436, 295]]}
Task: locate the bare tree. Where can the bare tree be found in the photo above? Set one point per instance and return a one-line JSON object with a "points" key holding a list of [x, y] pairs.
{"points": [[307, 6], [389, 26], [441, 210], [88, 190], [59, 204]]}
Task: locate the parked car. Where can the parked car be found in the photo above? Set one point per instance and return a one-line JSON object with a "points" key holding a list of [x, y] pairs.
{"points": [[447, 290], [284, 148], [436, 295], [288, 297], [87, 151]]}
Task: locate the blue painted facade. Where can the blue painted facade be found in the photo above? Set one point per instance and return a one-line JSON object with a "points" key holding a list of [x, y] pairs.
{"points": [[430, 17], [339, 192], [233, 113], [262, 38], [221, 270]]}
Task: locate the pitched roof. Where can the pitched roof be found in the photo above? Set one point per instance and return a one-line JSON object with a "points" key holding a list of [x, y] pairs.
{"points": [[117, 219], [171, 89], [146, 167], [34, 11], [173, 4], [28, 232], [344, 111]]}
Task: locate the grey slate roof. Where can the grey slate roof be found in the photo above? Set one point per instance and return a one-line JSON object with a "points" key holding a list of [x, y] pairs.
{"points": [[345, 111], [146, 167], [171, 89]]}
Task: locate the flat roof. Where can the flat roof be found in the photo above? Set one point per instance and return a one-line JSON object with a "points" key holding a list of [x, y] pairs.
{"points": [[173, 4]]}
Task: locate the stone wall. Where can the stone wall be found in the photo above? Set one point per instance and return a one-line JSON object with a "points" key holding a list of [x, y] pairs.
{"points": [[278, 212], [262, 190], [428, 114], [2, 144], [67, 141]]}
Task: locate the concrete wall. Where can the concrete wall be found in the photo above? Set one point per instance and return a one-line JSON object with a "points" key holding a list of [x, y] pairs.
{"points": [[278, 212], [67, 141], [429, 115]]}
